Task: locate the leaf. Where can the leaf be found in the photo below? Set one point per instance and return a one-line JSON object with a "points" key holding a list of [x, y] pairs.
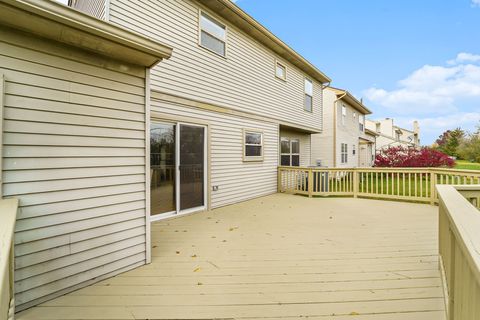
{"points": [[177, 252], [199, 284], [353, 313], [196, 269], [193, 256]]}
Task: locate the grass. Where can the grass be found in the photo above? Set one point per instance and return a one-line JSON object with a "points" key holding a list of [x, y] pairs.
{"points": [[463, 164]]}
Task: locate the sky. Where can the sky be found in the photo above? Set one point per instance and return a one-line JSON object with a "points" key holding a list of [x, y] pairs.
{"points": [[409, 60]]}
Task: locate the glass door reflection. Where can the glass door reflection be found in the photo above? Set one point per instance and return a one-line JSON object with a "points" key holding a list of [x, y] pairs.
{"points": [[162, 168], [191, 166]]}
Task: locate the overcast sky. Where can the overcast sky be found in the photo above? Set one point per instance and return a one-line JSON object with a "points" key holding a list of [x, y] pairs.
{"points": [[408, 59]]}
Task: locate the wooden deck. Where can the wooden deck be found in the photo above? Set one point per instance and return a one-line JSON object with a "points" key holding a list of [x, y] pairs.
{"points": [[280, 256]]}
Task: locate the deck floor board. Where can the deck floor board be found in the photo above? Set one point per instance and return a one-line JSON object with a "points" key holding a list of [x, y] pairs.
{"points": [[277, 257]]}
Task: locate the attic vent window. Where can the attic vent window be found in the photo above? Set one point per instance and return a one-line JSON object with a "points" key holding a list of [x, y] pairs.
{"points": [[213, 34]]}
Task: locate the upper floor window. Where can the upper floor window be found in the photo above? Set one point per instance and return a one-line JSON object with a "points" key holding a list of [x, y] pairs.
{"points": [[213, 34], [397, 136], [344, 114], [361, 122], [280, 71], [377, 127], [354, 115], [289, 152], [308, 95], [253, 145], [344, 153]]}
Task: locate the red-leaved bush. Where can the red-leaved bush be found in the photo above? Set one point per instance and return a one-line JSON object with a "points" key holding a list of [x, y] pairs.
{"points": [[411, 157]]}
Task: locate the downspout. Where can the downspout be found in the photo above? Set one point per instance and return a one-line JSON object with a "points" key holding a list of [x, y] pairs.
{"points": [[327, 84], [335, 110]]}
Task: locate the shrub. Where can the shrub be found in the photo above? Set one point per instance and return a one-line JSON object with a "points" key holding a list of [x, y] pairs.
{"points": [[411, 157]]}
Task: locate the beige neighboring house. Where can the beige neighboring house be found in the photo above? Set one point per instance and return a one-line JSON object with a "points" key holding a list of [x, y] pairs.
{"points": [[98, 141], [344, 141], [391, 135]]}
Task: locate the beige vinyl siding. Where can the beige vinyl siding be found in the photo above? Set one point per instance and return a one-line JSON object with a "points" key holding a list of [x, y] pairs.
{"points": [[74, 155], [244, 80], [348, 133], [305, 148], [322, 143], [96, 8], [237, 180]]}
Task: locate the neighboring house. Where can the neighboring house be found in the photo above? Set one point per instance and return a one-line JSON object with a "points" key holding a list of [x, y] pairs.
{"points": [[231, 104], [391, 135], [344, 132], [366, 154], [73, 100]]}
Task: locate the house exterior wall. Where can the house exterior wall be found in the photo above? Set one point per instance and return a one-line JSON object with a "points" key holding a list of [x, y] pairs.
{"points": [[387, 134], [74, 155], [322, 144], [236, 180], [348, 132], [244, 80]]}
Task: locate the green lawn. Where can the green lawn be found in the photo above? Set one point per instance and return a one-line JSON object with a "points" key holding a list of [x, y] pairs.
{"points": [[462, 164]]}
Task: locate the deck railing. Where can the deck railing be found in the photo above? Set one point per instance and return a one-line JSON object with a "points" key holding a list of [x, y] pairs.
{"points": [[459, 245], [8, 214], [414, 184]]}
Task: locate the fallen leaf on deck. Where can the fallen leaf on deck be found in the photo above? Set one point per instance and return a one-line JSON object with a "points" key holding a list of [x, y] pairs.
{"points": [[196, 270], [353, 313]]}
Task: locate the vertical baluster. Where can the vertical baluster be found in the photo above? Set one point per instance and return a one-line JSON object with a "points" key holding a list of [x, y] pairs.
{"points": [[421, 185], [409, 184]]}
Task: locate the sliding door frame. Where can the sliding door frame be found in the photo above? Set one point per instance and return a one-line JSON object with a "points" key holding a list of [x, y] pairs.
{"points": [[206, 169]]}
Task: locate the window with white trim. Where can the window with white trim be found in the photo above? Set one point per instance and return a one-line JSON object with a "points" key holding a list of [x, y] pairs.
{"points": [[361, 122], [253, 145], [344, 114], [280, 70], [213, 34], [344, 153], [308, 95], [353, 149], [290, 152]]}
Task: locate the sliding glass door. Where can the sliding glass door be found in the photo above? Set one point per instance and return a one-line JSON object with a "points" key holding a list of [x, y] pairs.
{"points": [[177, 168], [192, 164]]}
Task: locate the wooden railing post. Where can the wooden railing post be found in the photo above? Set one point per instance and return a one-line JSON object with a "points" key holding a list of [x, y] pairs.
{"points": [[355, 183], [310, 183], [433, 178], [279, 180]]}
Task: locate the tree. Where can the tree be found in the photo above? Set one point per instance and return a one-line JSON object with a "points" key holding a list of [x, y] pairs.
{"points": [[449, 141], [469, 149], [411, 157]]}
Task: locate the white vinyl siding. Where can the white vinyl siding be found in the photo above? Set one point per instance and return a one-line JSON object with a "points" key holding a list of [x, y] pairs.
{"points": [[236, 179], [74, 155], [242, 82]]}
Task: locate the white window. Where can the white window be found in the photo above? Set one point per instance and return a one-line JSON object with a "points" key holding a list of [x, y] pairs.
{"points": [[344, 114], [344, 153], [354, 115], [213, 34], [353, 149], [397, 136], [308, 95], [289, 152], [361, 122], [280, 71], [252, 145]]}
